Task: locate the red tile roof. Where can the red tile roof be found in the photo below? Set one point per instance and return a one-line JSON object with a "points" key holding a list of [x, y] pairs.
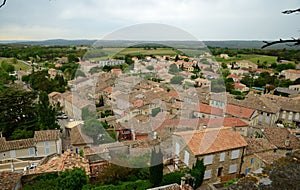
{"points": [[212, 140], [226, 122], [204, 108], [238, 111]]}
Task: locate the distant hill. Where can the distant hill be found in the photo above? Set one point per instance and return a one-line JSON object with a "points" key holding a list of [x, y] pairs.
{"points": [[239, 44]]}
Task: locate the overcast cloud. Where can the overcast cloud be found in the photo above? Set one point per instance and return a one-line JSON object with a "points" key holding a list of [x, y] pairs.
{"points": [[93, 19]]}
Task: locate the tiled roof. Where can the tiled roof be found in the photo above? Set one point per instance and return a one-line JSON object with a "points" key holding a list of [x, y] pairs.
{"points": [[270, 156], [46, 135], [277, 136], [256, 145], [8, 181], [238, 111], [16, 144], [225, 122], [292, 71], [204, 108], [78, 137], [212, 140], [257, 102], [68, 160]]}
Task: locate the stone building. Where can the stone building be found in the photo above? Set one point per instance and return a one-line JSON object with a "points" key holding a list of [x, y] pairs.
{"points": [[221, 149]]}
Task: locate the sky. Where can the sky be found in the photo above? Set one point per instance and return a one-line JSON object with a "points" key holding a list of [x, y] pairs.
{"points": [[97, 19]]}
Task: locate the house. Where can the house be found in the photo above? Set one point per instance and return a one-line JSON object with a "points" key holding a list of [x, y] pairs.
{"points": [[258, 154], [231, 122], [295, 87], [78, 140], [221, 149], [280, 91], [234, 77], [248, 115], [206, 111], [267, 110], [246, 64], [42, 144], [47, 142], [53, 72], [10, 180], [218, 100], [282, 139], [224, 56], [291, 74], [199, 82], [240, 87]]}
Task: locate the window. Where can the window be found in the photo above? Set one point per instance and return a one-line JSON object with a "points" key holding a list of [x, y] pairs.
{"points": [[252, 160], [232, 168], [47, 150], [260, 118], [186, 157], [222, 156], [283, 115], [235, 154], [267, 120], [207, 174], [290, 116], [247, 171], [12, 153], [208, 159], [46, 143], [297, 116], [177, 148], [31, 151]]}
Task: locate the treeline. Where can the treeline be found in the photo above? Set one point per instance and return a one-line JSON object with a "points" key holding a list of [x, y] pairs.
{"points": [[282, 54], [39, 53]]}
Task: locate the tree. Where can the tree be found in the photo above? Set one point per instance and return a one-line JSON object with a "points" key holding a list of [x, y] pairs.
{"points": [[293, 41], [73, 179], [176, 58], [17, 112], [156, 168], [150, 67], [177, 79], [224, 65], [7, 67], [173, 69], [46, 113], [197, 172]]}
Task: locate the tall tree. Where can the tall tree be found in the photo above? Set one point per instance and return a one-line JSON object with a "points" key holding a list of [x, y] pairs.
{"points": [[156, 169], [17, 112], [197, 172], [46, 113]]}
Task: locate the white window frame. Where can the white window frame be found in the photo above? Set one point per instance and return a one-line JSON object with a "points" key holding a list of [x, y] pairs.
{"points": [[297, 116], [207, 174], [290, 117], [208, 159], [47, 143], [222, 157], [283, 115], [235, 154], [186, 157], [232, 168]]}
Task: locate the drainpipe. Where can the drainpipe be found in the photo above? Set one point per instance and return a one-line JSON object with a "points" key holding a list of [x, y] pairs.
{"points": [[242, 160]]}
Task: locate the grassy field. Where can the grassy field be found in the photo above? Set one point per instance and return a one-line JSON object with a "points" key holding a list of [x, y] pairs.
{"points": [[17, 66], [252, 57]]}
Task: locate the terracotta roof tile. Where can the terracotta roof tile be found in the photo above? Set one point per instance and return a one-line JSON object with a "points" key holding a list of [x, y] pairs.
{"points": [[15, 144], [256, 145], [225, 122], [238, 111], [46, 135], [212, 140], [8, 181], [204, 108], [277, 136]]}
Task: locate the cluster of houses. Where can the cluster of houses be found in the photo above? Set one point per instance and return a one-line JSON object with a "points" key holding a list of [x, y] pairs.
{"points": [[233, 137]]}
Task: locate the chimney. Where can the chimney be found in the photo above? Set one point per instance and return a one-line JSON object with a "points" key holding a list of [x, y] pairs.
{"points": [[182, 182], [287, 141]]}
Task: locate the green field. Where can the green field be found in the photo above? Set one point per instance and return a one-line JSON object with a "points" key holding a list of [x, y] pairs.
{"points": [[18, 66], [250, 57]]}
